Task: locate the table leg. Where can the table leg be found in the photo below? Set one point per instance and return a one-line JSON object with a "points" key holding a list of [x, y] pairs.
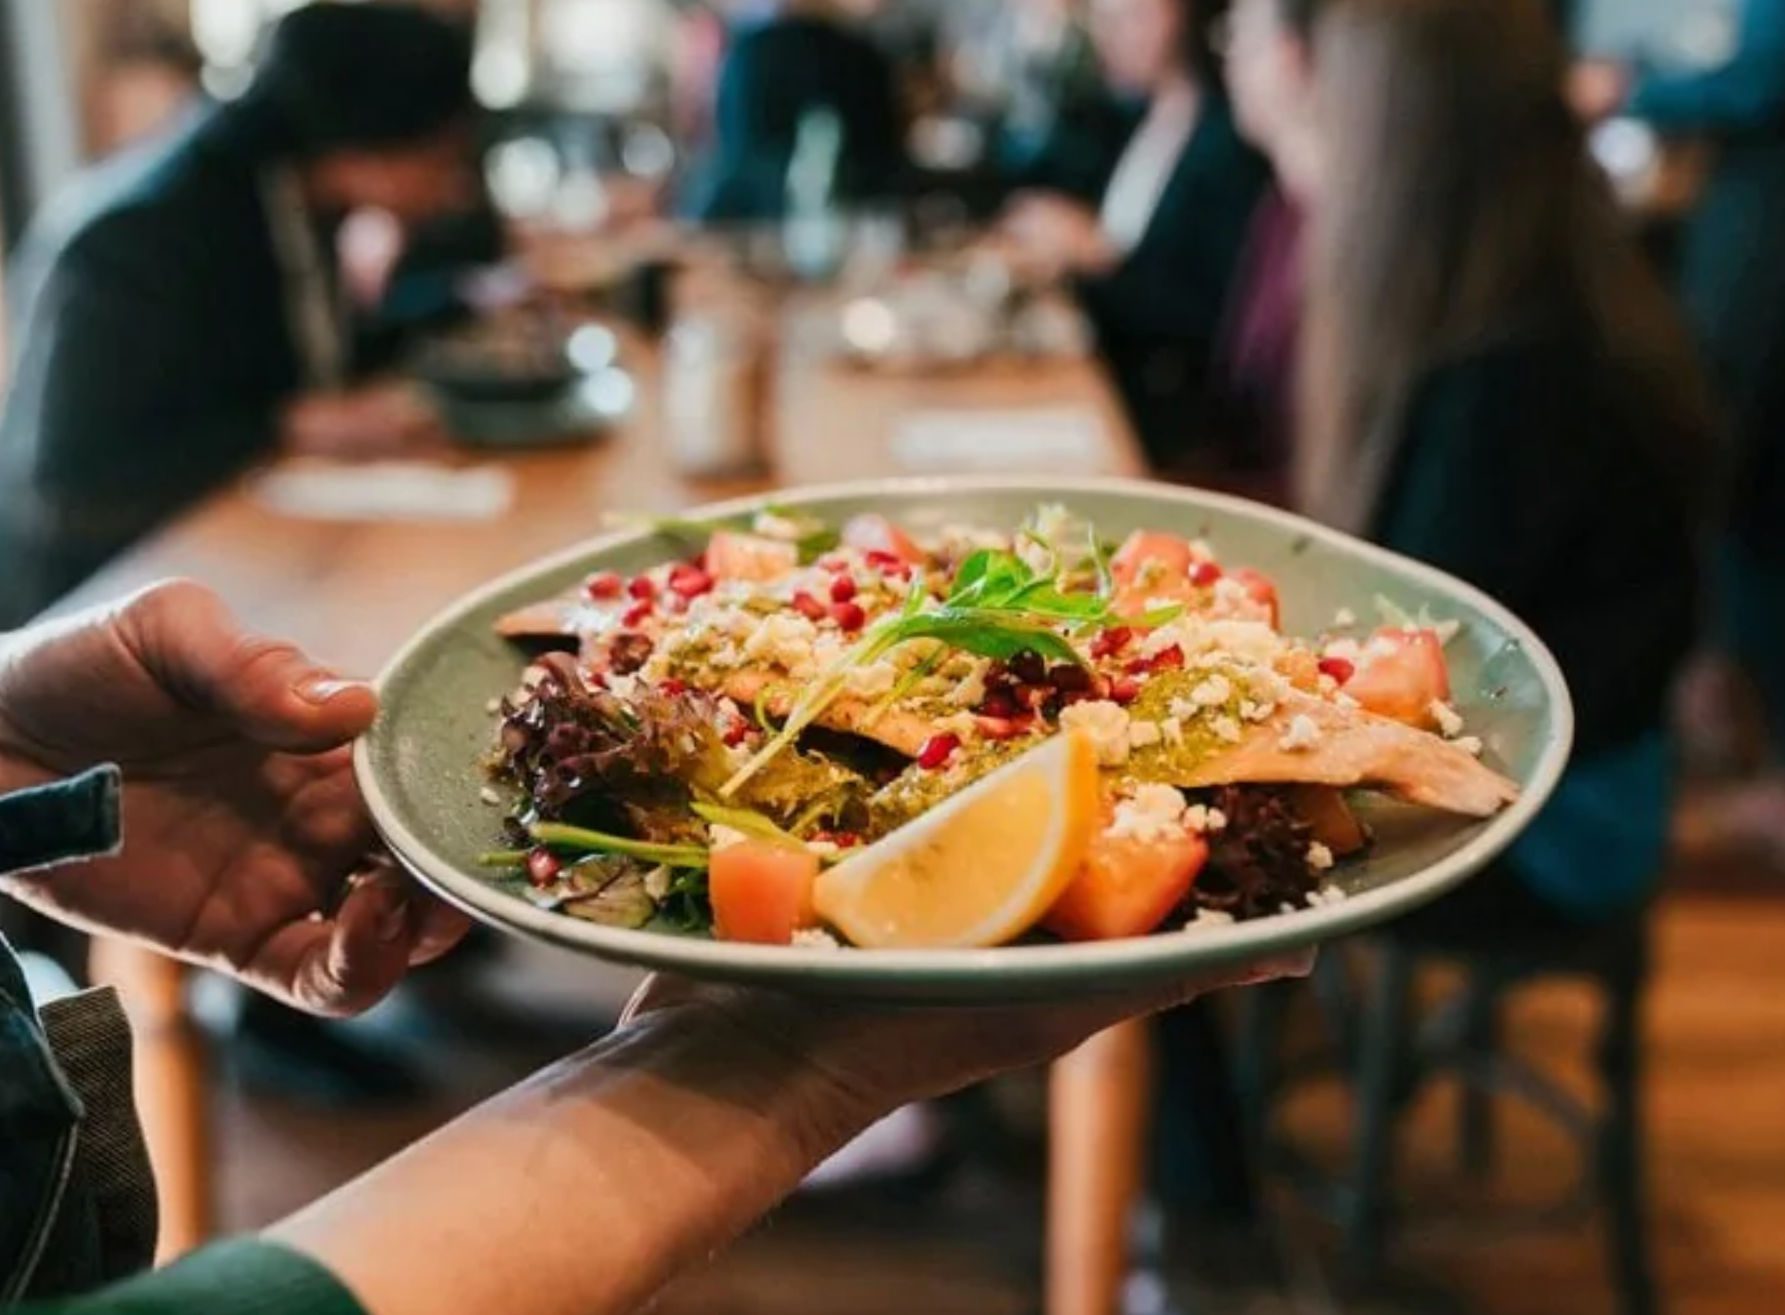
{"points": [[170, 1061], [1098, 1115]]}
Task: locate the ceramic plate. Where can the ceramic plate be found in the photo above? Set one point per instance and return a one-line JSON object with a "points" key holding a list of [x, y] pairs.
{"points": [[419, 766]]}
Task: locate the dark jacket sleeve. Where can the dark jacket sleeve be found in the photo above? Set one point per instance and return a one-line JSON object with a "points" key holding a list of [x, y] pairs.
{"points": [[1529, 473], [1174, 284], [1745, 94], [128, 402], [234, 1278]]}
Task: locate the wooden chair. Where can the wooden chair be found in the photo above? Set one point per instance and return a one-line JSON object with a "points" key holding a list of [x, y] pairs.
{"points": [[1099, 1113]]}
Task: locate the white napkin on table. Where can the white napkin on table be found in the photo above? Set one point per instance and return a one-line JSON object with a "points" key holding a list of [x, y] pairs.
{"points": [[1001, 440], [384, 491]]}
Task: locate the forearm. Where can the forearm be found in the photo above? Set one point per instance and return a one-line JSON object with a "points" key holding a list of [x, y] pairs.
{"points": [[585, 1189]]}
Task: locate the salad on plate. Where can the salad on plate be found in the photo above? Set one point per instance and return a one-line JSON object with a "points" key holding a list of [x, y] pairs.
{"points": [[797, 732]]}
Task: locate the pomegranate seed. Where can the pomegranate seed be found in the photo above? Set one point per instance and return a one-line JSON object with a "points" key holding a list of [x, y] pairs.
{"points": [[808, 606], [637, 612], [1124, 689], [937, 750], [843, 589], [674, 688], [736, 733], [1204, 574], [1167, 659], [849, 616], [598, 679], [1111, 641], [1068, 676], [999, 703], [1340, 669], [690, 581], [605, 585], [841, 839], [642, 587], [543, 867], [1028, 667], [999, 728], [888, 563]]}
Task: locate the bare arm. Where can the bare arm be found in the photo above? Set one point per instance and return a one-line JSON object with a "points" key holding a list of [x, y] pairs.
{"points": [[586, 1189]]}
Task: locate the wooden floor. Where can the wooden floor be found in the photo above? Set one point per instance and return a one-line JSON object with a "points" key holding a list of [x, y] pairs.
{"points": [[1716, 1054]]}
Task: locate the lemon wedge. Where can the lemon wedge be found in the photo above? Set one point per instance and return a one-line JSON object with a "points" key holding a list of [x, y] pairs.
{"points": [[980, 868]]}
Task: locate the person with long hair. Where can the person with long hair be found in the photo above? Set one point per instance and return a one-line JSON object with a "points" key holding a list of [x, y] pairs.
{"points": [[1492, 380], [1154, 255]]}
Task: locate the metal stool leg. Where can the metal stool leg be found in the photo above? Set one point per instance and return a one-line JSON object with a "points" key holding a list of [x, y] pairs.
{"points": [[1620, 1149], [1383, 1046], [1480, 1041]]}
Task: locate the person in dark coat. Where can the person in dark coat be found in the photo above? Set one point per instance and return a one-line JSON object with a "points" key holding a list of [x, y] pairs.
{"points": [[1494, 382], [1153, 259], [1732, 279], [177, 302], [800, 58]]}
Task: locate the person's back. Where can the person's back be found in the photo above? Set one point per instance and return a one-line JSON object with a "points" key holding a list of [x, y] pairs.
{"points": [[150, 337], [1493, 382], [774, 74]]}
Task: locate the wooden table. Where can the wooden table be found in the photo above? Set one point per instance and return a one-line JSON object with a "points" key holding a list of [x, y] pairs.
{"points": [[351, 592]]}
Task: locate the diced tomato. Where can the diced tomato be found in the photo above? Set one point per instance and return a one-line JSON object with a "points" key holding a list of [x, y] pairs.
{"points": [[734, 556], [1261, 590], [689, 581], [1400, 674], [874, 533], [1324, 809], [604, 585], [1127, 886], [1169, 553], [761, 891], [808, 606]]}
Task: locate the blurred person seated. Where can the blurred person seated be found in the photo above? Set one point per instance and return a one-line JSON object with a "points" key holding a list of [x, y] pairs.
{"points": [[1732, 279], [1271, 81], [1494, 382], [185, 308], [1154, 260], [1054, 86], [585, 1188], [787, 59]]}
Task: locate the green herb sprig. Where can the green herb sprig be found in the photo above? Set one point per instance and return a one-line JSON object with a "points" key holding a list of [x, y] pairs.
{"points": [[997, 607]]}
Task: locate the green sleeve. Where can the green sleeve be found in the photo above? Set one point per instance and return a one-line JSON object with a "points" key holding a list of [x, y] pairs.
{"points": [[233, 1278]]}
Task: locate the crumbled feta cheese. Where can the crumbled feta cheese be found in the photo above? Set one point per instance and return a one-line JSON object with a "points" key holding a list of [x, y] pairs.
{"points": [[1172, 728], [1231, 595], [720, 836], [1344, 700], [624, 688], [1107, 725], [1469, 744], [1202, 550], [1302, 733], [1227, 729], [1151, 813], [489, 796], [1344, 617], [969, 691], [772, 526], [815, 938], [1203, 819], [657, 883], [1255, 709], [1184, 710], [785, 640], [1208, 920], [962, 724], [1143, 734], [1213, 692], [1320, 858], [1348, 650], [871, 681], [1449, 721], [824, 848], [961, 541]]}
